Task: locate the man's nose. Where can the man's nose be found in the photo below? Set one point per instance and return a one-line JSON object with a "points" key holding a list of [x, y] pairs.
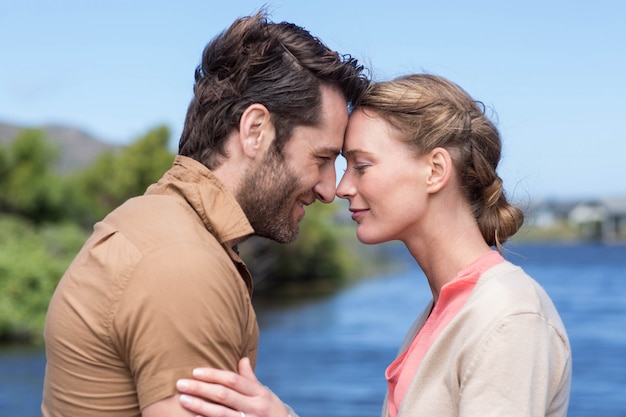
{"points": [[325, 188]]}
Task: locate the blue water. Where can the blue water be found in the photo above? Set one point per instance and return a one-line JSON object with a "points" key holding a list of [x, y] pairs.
{"points": [[326, 357]]}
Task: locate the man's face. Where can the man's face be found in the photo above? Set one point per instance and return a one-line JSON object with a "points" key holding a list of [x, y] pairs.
{"points": [[276, 190]]}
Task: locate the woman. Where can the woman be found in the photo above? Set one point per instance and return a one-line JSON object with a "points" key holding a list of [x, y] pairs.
{"points": [[421, 168]]}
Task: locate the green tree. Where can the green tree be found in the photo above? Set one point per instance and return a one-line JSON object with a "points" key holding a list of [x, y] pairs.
{"points": [[32, 260], [144, 162], [28, 184], [115, 177]]}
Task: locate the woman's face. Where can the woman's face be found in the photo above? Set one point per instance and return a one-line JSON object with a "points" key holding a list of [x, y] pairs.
{"points": [[385, 181]]}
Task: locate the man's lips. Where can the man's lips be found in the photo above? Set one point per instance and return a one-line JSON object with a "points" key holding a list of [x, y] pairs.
{"points": [[301, 204], [304, 203]]}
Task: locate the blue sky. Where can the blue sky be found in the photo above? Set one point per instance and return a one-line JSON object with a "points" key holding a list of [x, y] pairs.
{"points": [[554, 72]]}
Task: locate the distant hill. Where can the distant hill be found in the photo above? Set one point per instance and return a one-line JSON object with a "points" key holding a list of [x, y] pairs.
{"points": [[77, 149]]}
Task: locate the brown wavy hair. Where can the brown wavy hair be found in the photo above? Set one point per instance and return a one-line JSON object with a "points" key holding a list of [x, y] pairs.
{"points": [[429, 112], [279, 65]]}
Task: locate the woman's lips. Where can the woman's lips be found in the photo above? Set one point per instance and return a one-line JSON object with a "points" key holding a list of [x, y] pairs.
{"points": [[357, 214]]}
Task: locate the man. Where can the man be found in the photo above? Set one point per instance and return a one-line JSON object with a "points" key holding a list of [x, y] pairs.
{"points": [[159, 287]]}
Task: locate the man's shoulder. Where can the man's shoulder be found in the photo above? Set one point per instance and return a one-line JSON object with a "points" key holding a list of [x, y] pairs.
{"points": [[152, 221]]}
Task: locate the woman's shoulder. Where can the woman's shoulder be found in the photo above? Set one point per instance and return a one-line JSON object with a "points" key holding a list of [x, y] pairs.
{"points": [[507, 290]]}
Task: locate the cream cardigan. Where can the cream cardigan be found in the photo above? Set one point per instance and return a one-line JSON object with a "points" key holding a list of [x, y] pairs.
{"points": [[506, 353]]}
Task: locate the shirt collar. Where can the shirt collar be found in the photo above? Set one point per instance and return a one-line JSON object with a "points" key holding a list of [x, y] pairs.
{"points": [[206, 194]]}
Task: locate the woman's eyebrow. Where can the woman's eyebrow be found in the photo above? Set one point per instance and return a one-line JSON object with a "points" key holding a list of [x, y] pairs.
{"points": [[354, 151]]}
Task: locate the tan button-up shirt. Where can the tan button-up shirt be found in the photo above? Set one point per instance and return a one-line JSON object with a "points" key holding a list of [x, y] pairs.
{"points": [[155, 291]]}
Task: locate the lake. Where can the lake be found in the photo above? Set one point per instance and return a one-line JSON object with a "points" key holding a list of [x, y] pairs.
{"points": [[326, 356]]}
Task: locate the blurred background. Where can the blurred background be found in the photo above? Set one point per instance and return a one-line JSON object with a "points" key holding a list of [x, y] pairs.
{"points": [[92, 103]]}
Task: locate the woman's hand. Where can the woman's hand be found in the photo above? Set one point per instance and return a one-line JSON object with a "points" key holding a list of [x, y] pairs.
{"points": [[218, 393]]}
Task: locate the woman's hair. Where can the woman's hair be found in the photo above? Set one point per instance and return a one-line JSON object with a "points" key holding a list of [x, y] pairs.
{"points": [[279, 65], [430, 112]]}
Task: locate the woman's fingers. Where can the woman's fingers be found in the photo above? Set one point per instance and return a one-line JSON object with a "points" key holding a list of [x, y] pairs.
{"points": [[215, 393], [244, 385], [246, 371], [203, 408], [219, 393]]}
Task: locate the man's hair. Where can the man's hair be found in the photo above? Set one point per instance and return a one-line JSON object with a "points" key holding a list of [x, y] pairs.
{"points": [[279, 65]]}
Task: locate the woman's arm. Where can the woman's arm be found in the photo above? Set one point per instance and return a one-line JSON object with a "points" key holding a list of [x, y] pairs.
{"points": [[219, 393]]}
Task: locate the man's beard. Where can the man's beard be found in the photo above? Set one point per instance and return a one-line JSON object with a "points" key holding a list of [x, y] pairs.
{"points": [[267, 198]]}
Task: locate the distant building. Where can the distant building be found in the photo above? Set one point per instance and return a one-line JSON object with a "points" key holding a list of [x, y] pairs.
{"points": [[549, 213], [601, 219]]}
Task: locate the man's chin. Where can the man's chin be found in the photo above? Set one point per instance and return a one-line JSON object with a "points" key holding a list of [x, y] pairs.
{"points": [[282, 236], [288, 238]]}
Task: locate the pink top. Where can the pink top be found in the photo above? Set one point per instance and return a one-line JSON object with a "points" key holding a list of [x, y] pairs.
{"points": [[451, 299]]}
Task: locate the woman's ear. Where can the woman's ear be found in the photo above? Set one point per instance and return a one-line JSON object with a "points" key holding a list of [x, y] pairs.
{"points": [[441, 169], [256, 130]]}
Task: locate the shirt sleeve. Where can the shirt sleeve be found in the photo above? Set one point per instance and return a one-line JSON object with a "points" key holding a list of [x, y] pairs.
{"points": [[183, 307], [523, 368]]}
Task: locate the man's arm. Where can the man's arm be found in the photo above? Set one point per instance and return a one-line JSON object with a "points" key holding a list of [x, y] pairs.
{"points": [[169, 407], [178, 314]]}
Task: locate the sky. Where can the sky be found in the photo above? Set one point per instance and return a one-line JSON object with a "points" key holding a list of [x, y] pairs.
{"points": [[551, 73]]}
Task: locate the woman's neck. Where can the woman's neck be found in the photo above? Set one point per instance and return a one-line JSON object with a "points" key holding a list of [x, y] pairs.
{"points": [[441, 252]]}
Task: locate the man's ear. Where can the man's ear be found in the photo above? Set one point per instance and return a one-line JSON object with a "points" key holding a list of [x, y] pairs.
{"points": [[256, 130], [441, 168]]}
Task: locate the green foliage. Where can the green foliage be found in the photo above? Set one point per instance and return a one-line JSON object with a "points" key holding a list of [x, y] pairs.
{"points": [[114, 178], [32, 260], [28, 186]]}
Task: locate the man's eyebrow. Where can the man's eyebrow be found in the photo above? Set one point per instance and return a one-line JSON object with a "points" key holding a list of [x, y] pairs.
{"points": [[329, 150]]}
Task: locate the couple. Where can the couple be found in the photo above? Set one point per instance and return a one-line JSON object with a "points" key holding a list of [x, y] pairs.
{"points": [[159, 287]]}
